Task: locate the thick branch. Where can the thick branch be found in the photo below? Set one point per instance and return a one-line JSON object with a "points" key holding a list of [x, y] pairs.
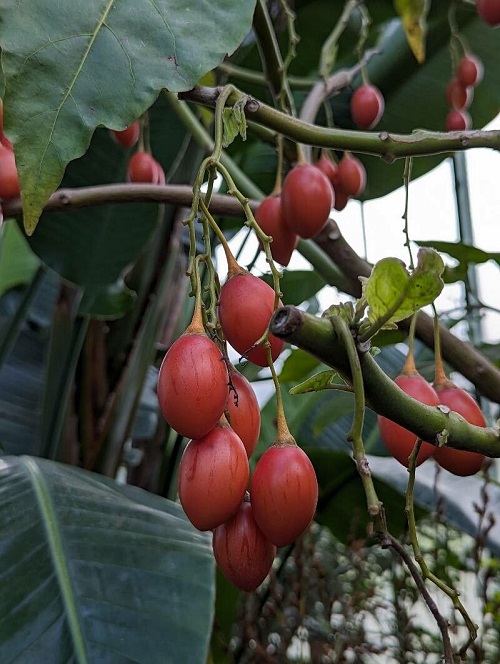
{"points": [[462, 357], [316, 336], [64, 199], [384, 144]]}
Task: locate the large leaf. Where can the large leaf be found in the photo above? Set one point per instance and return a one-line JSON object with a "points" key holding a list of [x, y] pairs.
{"points": [[96, 572], [104, 63]]}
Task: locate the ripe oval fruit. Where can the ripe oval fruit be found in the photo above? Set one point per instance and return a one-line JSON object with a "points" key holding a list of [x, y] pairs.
{"points": [[460, 462], [330, 169], [284, 493], [142, 167], [458, 95], [352, 175], [307, 199], [270, 218], [489, 11], [341, 199], [213, 477], [127, 137], [9, 180], [244, 412], [367, 106], [458, 121], [246, 304], [242, 551], [400, 441], [470, 70], [192, 385]]}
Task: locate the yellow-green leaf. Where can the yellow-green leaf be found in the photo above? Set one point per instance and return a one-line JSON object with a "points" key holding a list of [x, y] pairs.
{"points": [[414, 17]]}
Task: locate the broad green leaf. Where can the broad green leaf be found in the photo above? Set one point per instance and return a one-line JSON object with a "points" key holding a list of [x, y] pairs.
{"points": [[393, 293], [97, 572], [18, 263], [413, 15], [101, 63]]}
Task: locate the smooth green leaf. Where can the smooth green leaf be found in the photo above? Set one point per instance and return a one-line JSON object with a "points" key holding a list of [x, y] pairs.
{"points": [[393, 293], [414, 17], [101, 63], [97, 572], [18, 263]]}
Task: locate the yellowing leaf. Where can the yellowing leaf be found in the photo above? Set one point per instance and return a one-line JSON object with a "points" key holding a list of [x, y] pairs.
{"points": [[414, 16]]}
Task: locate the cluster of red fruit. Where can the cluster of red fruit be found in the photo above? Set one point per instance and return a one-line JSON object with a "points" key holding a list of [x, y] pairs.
{"points": [[400, 441], [198, 392], [9, 180], [309, 193], [142, 166], [460, 91]]}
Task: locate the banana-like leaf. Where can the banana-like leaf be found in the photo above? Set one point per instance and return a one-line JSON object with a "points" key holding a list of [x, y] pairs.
{"points": [[96, 572]]}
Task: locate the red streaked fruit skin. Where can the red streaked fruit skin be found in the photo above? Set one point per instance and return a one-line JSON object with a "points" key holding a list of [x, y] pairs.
{"points": [[367, 106], [246, 304], [244, 412], [242, 551], [399, 441], [213, 477], [270, 218], [460, 462], [307, 198], [192, 385], [489, 11], [284, 493]]}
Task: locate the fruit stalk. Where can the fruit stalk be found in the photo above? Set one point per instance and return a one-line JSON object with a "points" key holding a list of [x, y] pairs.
{"points": [[355, 434]]}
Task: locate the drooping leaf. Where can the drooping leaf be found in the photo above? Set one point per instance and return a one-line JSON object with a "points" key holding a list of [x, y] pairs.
{"points": [[393, 293], [93, 571], [413, 15], [68, 72]]}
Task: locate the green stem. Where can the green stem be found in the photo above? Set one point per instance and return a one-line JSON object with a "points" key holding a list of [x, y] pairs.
{"points": [[314, 335], [284, 436], [355, 434], [406, 181], [329, 47], [258, 78], [387, 145]]}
